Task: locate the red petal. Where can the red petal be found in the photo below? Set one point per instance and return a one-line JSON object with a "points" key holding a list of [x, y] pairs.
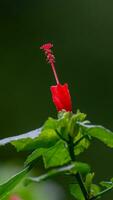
{"points": [[61, 97]]}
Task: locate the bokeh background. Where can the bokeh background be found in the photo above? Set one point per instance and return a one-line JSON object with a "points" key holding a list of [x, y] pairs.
{"points": [[82, 34]]}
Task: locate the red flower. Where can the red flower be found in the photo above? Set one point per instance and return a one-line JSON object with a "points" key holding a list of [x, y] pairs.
{"points": [[60, 93], [61, 97]]}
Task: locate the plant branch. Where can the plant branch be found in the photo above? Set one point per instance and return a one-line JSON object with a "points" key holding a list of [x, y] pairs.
{"points": [[61, 136], [78, 175], [79, 140], [101, 193]]}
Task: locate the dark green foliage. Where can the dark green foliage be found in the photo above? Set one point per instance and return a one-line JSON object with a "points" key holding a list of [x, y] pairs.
{"points": [[59, 142]]}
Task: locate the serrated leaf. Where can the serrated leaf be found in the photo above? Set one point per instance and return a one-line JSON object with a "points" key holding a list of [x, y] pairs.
{"points": [[57, 155], [50, 173], [9, 185], [30, 135], [76, 192], [46, 138], [99, 132]]}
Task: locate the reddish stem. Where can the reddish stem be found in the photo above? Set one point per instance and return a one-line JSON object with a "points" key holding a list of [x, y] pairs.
{"points": [[54, 72]]}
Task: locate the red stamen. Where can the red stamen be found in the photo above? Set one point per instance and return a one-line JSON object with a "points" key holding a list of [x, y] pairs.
{"points": [[50, 58], [60, 93]]}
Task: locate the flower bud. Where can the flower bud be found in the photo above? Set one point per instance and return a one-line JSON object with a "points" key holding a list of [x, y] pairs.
{"points": [[61, 97]]}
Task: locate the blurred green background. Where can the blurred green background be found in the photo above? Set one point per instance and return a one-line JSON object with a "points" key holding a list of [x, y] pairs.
{"points": [[82, 34]]}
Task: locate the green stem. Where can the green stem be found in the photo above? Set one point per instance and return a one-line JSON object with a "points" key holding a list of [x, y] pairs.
{"points": [[60, 136], [78, 175], [79, 140], [101, 193]]}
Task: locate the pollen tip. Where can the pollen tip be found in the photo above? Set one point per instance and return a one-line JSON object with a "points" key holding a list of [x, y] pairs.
{"points": [[46, 46], [50, 58]]}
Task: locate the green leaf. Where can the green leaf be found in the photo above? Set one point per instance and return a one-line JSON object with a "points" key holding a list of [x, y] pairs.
{"points": [[73, 127], [92, 189], [62, 126], [95, 190], [49, 134], [81, 167], [51, 123], [30, 135], [50, 173], [82, 145], [99, 132], [76, 192], [34, 155], [88, 181], [46, 138], [9, 185], [57, 155], [67, 124], [42, 137]]}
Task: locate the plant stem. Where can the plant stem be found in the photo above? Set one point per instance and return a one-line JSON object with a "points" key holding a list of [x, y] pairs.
{"points": [[101, 193], [79, 140], [78, 175], [60, 136]]}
